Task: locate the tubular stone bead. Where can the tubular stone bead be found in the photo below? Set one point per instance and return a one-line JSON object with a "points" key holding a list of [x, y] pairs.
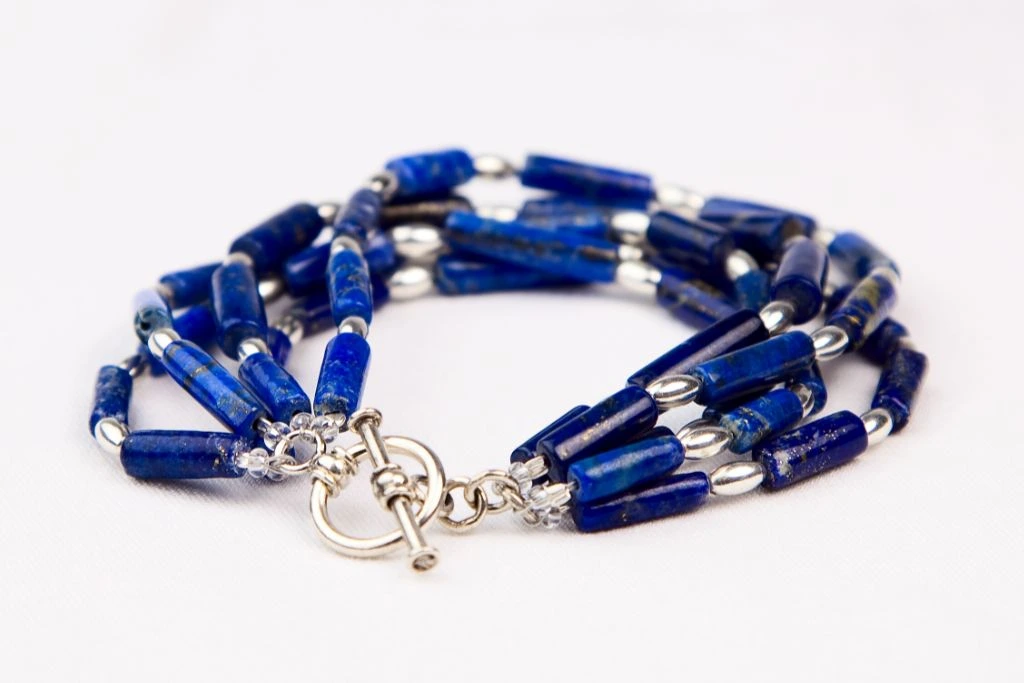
{"points": [[752, 290], [342, 375], [151, 314], [456, 274], [431, 173], [618, 470], [182, 454], [112, 395], [762, 418], [189, 287], [692, 301], [588, 181], [238, 306], [753, 368], [690, 242], [274, 387], [270, 243], [856, 256], [280, 345], [902, 376], [432, 211], [361, 216], [665, 497], [866, 307], [811, 449], [799, 280], [349, 282], [528, 449]]}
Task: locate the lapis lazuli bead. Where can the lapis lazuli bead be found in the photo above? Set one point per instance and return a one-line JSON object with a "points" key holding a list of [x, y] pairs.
{"points": [[695, 302], [559, 213], [360, 217], [273, 386], [528, 448], [738, 209], [884, 341], [752, 289], [196, 324], [559, 252], [348, 280], [761, 234], [380, 253], [189, 287], [238, 306], [182, 455], [577, 179], [761, 418], [902, 376], [618, 470], [212, 386], [811, 378], [432, 211], [151, 314], [113, 392], [811, 449], [866, 306], [855, 256], [753, 368], [614, 421], [315, 313], [431, 173], [306, 271], [664, 498], [270, 243], [694, 243], [342, 375], [735, 332], [472, 274], [279, 344], [800, 278]]}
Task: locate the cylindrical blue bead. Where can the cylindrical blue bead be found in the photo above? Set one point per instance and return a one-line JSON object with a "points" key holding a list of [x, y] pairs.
{"points": [[270, 243], [811, 449], [693, 243], [196, 324], [432, 211], [759, 233], [695, 302], [866, 307], [273, 386], [315, 312], [735, 332], [279, 344], [664, 498], [799, 280], [811, 378], [151, 314], [306, 271], [182, 455], [189, 287], [761, 418], [238, 306], [737, 211], [576, 215], [902, 376], [361, 215], [528, 448], [855, 256], [614, 421], [379, 252], [113, 392], [431, 173], [459, 274], [559, 252], [380, 290], [884, 341], [342, 375], [349, 284], [586, 180], [755, 367], [554, 206], [752, 289], [212, 386], [616, 471]]}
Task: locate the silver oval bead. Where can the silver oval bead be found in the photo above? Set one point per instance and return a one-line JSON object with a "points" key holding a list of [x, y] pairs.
{"points": [[673, 391], [343, 243], [676, 197], [355, 325], [777, 316], [735, 478], [384, 183], [493, 167], [161, 339], [878, 423], [829, 342], [823, 236], [250, 347], [410, 281], [291, 325], [704, 441], [417, 240], [504, 214], [271, 289], [629, 227], [239, 257], [110, 435], [806, 396], [630, 252], [638, 276], [329, 211], [738, 263]]}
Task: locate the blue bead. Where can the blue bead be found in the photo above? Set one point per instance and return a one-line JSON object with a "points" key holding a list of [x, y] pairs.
{"points": [[614, 421], [360, 217], [238, 306], [379, 252], [349, 284], [693, 301], [274, 387], [586, 180], [558, 205], [866, 307], [270, 243], [857, 257], [761, 418], [472, 274], [693, 243], [189, 287], [212, 386], [811, 449], [431, 173], [761, 234], [380, 290], [753, 368], [306, 271], [431, 211], [558, 252], [151, 314], [735, 332], [884, 341], [315, 313], [620, 469], [182, 455], [739, 212], [811, 378], [196, 324], [342, 375], [801, 277], [113, 391], [902, 376], [279, 344], [528, 448], [578, 216], [752, 289], [664, 498]]}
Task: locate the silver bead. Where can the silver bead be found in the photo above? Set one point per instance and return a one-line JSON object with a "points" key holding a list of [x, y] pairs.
{"points": [[806, 396], [777, 316], [110, 435], [417, 240], [629, 252], [736, 478], [161, 339], [134, 365], [676, 197], [239, 257], [738, 263], [504, 214], [329, 212], [355, 325], [823, 236], [878, 423], [493, 167], [292, 327], [165, 293], [250, 347], [829, 342], [888, 273], [630, 227], [271, 288], [410, 281], [638, 276], [704, 440], [345, 243], [673, 391], [384, 183]]}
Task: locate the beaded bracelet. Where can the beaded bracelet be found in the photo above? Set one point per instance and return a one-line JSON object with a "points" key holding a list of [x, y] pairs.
{"points": [[742, 272]]}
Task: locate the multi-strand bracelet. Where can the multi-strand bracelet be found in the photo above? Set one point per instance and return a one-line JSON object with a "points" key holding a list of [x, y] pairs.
{"points": [[742, 272]]}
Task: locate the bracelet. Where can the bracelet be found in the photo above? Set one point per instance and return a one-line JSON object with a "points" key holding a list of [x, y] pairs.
{"points": [[743, 273]]}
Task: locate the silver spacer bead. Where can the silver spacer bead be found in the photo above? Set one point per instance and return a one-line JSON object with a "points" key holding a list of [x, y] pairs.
{"points": [[161, 339], [410, 281], [806, 396], [829, 342], [329, 211], [384, 183], [417, 240], [777, 316], [110, 435], [292, 327], [878, 423], [679, 198], [638, 276], [271, 288], [823, 236], [736, 478], [493, 167], [503, 214], [345, 243], [738, 263], [673, 391], [704, 439], [134, 365], [250, 347], [355, 325], [629, 252], [239, 257], [630, 227], [165, 293]]}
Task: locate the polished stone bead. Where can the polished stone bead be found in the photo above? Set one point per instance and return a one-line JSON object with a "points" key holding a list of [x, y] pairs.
{"points": [[113, 392], [693, 243], [238, 306], [182, 455], [342, 375], [472, 274], [761, 418], [559, 252], [884, 341], [866, 306], [741, 329], [855, 256], [811, 378], [558, 213], [693, 301], [586, 180], [306, 271], [560, 205], [189, 287], [528, 448], [151, 314], [360, 217], [614, 421], [800, 278], [666, 497], [431, 173], [431, 211], [270, 243], [349, 284], [753, 221], [752, 289], [279, 344], [379, 252], [212, 386], [902, 376], [380, 290], [752, 368], [196, 324], [273, 386], [620, 469], [811, 449]]}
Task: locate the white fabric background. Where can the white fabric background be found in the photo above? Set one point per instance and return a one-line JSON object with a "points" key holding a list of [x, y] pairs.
{"points": [[141, 137]]}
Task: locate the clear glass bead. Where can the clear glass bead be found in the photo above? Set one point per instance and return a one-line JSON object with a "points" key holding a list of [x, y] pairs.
{"points": [[551, 518], [255, 462], [275, 433], [302, 421], [327, 427]]}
